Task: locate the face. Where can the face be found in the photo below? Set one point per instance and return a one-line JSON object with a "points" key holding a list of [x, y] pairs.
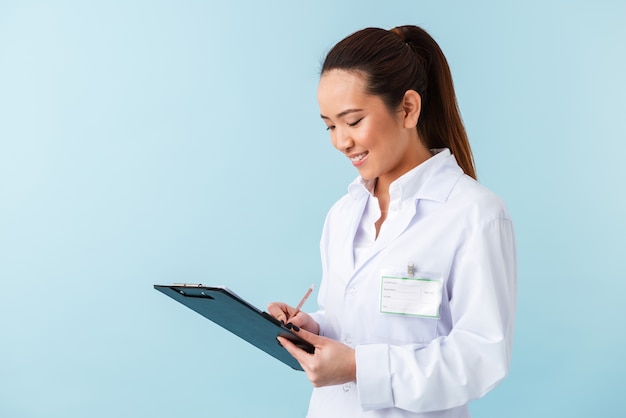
{"points": [[381, 144]]}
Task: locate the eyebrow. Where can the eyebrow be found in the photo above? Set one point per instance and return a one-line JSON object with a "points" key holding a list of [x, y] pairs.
{"points": [[342, 114]]}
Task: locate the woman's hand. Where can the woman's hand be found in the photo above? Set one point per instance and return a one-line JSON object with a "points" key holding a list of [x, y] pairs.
{"points": [[332, 363], [284, 312]]}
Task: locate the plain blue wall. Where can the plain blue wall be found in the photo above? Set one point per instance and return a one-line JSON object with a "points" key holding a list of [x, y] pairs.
{"points": [[148, 142]]}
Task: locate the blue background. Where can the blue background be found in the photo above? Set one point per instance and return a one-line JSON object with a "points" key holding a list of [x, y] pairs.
{"points": [[147, 142]]}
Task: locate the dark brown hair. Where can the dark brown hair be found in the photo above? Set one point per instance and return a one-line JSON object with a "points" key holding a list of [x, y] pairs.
{"points": [[408, 58]]}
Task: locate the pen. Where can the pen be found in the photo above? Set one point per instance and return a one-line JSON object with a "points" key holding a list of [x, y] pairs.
{"points": [[304, 298]]}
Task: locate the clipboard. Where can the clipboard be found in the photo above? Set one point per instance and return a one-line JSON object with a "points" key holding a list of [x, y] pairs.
{"points": [[226, 309]]}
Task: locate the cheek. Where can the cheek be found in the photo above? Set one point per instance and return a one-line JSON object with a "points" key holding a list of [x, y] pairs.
{"points": [[370, 138], [384, 137]]}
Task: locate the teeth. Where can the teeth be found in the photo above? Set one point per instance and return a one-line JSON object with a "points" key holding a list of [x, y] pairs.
{"points": [[358, 157]]}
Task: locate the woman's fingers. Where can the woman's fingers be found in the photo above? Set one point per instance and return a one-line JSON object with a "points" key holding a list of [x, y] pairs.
{"points": [[280, 311], [332, 362]]}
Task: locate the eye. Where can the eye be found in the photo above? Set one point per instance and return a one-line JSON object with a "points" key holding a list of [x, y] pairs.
{"points": [[330, 128], [355, 123]]}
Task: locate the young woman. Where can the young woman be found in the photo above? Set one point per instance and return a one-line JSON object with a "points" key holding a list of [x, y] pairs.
{"points": [[418, 293]]}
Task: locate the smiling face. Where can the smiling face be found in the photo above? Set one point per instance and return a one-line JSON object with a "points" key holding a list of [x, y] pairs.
{"points": [[380, 143]]}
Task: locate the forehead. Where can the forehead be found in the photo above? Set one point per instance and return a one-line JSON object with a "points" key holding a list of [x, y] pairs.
{"points": [[340, 88]]}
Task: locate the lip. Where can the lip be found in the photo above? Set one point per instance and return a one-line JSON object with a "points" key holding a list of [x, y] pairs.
{"points": [[358, 159]]}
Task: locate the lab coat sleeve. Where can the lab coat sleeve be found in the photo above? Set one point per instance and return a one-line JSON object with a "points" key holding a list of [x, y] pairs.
{"points": [[464, 365], [319, 315]]}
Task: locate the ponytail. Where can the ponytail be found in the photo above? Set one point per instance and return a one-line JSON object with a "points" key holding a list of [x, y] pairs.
{"points": [[408, 58]]}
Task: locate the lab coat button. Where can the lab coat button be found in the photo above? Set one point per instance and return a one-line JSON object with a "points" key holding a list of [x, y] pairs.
{"points": [[352, 291], [346, 387], [347, 340]]}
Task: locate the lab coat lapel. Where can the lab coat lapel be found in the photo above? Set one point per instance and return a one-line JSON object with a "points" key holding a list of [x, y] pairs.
{"points": [[392, 230], [352, 223], [388, 234]]}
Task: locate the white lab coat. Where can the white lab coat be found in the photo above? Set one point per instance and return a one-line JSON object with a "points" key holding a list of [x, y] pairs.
{"points": [[449, 227]]}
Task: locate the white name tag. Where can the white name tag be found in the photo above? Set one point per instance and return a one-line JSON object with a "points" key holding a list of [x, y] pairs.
{"points": [[410, 296]]}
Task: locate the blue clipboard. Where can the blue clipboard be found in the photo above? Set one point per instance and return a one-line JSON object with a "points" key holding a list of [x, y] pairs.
{"points": [[226, 309]]}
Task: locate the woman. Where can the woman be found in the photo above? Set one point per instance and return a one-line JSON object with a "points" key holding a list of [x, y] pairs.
{"points": [[418, 293]]}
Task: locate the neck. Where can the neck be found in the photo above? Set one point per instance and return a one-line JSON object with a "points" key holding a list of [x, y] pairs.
{"points": [[381, 191]]}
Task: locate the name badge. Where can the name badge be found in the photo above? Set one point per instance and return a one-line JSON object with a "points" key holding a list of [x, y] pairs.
{"points": [[417, 296]]}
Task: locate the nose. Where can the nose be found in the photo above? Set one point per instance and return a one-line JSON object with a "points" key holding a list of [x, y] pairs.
{"points": [[342, 140]]}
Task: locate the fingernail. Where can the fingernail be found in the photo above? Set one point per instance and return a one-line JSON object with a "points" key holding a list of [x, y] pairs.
{"points": [[279, 343], [289, 325], [295, 327]]}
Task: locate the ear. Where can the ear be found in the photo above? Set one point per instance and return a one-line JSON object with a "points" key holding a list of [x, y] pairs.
{"points": [[411, 107]]}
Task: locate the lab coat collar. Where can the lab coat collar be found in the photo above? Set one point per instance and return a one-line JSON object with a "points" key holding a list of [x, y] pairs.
{"points": [[432, 180], [415, 183]]}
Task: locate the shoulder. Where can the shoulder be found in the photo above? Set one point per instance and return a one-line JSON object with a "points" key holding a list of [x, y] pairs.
{"points": [[476, 200]]}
